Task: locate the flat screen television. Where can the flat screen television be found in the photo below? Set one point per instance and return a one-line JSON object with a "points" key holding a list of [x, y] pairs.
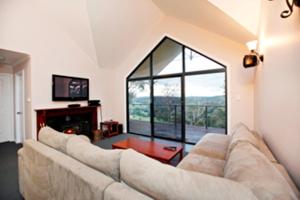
{"points": [[66, 88]]}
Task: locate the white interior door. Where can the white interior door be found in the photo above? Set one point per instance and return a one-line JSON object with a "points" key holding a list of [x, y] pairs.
{"points": [[6, 108], [19, 106]]}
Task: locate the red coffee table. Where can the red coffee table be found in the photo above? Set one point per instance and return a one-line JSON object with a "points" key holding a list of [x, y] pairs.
{"points": [[150, 148]]}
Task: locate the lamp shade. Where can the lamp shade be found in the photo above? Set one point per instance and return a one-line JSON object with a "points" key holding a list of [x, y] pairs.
{"points": [[250, 61], [252, 45]]}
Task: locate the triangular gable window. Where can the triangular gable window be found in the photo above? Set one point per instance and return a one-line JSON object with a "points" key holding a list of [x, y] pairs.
{"points": [[197, 62], [143, 69]]}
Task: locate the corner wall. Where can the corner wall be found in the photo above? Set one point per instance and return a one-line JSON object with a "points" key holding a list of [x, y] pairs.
{"points": [[59, 41], [277, 85], [240, 80]]}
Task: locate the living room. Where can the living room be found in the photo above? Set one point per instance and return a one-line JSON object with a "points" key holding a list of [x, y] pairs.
{"points": [[105, 41]]}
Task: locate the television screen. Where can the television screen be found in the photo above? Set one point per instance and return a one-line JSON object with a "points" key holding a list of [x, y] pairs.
{"points": [[66, 88]]}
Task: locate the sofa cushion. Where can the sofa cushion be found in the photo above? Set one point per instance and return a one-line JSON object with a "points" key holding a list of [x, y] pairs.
{"points": [[237, 127], [50, 174], [287, 177], [121, 191], [241, 135], [161, 181], [248, 166], [54, 139], [203, 164], [106, 161], [266, 151], [212, 145]]}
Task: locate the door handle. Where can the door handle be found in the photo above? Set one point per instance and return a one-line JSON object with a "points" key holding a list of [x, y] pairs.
{"points": [[19, 113]]}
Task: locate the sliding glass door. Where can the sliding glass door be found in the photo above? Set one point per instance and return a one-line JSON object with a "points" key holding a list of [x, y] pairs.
{"points": [[139, 107], [177, 93], [167, 108], [205, 109]]}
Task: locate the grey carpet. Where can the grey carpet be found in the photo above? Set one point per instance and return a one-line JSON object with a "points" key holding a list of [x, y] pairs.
{"points": [[9, 187]]}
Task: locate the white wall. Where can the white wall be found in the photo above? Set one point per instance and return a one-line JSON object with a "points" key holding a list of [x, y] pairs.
{"points": [[277, 85], [240, 85], [59, 41]]}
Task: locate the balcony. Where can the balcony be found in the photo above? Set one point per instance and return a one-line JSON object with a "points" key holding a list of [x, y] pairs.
{"points": [[167, 121]]}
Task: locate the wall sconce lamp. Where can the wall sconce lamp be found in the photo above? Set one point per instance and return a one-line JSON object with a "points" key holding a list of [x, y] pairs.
{"points": [[252, 59], [287, 13]]}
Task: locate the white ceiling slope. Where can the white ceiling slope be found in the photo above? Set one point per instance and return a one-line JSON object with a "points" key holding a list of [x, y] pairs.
{"points": [[205, 15], [118, 26], [246, 13]]}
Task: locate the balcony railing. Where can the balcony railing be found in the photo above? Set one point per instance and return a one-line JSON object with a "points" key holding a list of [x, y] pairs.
{"points": [[167, 120]]}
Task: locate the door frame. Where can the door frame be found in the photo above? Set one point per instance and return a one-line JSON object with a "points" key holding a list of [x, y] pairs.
{"points": [[19, 84], [182, 75]]}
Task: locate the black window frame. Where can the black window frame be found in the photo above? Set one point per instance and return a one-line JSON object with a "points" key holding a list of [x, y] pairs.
{"points": [[182, 75]]}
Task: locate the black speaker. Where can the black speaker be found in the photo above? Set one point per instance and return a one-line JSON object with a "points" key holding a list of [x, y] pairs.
{"points": [[75, 105], [94, 102]]}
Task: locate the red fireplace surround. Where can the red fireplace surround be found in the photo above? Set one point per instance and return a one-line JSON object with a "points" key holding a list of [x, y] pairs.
{"points": [[44, 114]]}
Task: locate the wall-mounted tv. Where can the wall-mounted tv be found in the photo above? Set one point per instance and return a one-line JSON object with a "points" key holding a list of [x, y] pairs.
{"points": [[66, 88]]}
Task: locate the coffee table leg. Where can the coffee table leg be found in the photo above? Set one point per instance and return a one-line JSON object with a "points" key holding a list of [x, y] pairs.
{"points": [[181, 155]]}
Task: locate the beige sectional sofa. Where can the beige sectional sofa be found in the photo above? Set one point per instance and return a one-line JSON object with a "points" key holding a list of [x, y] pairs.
{"points": [[236, 166]]}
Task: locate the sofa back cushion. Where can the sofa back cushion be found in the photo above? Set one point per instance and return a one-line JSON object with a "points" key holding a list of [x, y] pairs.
{"points": [[50, 174], [212, 145], [203, 164], [248, 166], [287, 177], [239, 126], [106, 161], [54, 139], [57, 140], [240, 135], [263, 147], [161, 181]]}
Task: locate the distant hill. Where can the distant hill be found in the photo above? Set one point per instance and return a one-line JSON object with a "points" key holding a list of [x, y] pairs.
{"points": [[204, 101], [207, 101]]}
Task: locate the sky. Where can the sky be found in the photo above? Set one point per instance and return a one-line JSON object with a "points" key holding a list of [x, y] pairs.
{"points": [[195, 85]]}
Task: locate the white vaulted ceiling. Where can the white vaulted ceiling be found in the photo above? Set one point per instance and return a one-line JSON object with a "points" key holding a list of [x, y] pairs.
{"points": [[206, 15], [246, 13], [118, 26]]}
